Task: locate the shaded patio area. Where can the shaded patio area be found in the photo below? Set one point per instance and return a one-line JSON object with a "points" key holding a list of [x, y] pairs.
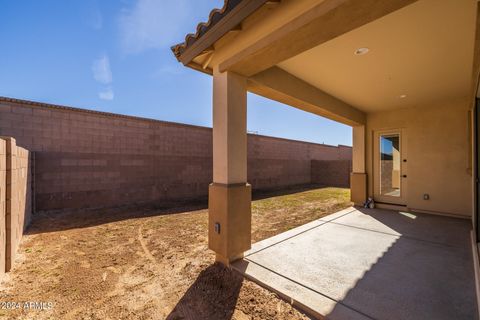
{"points": [[370, 264]]}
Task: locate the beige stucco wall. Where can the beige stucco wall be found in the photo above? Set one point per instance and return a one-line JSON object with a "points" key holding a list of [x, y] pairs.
{"points": [[437, 148]]}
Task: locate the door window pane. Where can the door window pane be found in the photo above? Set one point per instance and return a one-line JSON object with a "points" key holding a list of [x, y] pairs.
{"points": [[390, 165]]}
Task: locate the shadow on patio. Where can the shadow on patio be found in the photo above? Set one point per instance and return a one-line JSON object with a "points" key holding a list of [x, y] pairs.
{"points": [[371, 264]]}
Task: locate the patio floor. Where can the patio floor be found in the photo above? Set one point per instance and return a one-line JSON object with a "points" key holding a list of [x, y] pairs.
{"points": [[371, 264]]}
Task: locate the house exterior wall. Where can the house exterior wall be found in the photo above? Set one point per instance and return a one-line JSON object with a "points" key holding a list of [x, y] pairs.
{"points": [[438, 149], [91, 159]]}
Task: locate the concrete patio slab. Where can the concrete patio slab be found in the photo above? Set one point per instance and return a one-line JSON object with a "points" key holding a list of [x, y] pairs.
{"points": [[426, 227], [294, 232], [371, 264], [310, 301]]}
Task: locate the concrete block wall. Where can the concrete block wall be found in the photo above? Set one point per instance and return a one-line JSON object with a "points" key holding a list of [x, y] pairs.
{"points": [[335, 173], [86, 158], [3, 205], [16, 209], [276, 162], [21, 213]]}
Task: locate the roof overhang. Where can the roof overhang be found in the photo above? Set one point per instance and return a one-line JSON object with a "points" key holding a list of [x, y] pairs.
{"points": [[253, 39], [220, 22]]}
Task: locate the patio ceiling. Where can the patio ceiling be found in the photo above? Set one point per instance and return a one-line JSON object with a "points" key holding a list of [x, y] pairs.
{"points": [[423, 51]]}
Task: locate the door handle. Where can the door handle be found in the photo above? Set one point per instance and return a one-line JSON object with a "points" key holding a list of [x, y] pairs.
{"points": [[404, 176]]}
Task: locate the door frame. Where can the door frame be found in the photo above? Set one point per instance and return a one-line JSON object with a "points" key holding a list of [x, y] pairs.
{"points": [[402, 200], [476, 166]]}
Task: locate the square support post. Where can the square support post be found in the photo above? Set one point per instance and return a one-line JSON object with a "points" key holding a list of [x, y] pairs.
{"points": [[229, 201], [358, 177]]}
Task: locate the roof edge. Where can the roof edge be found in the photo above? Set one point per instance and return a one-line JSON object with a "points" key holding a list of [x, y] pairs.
{"points": [[220, 22], [203, 27]]}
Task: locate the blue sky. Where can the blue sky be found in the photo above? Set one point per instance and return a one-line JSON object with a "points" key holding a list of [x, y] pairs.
{"points": [[114, 56]]}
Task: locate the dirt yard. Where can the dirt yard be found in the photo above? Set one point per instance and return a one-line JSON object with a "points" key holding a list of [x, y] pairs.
{"points": [[148, 263]]}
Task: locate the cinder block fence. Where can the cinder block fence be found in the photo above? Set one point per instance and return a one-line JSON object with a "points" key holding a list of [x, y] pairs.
{"points": [[86, 158], [331, 172], [77, 158], [15, 198]]}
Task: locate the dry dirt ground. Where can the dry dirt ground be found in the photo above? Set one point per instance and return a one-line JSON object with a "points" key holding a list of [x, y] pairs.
{"points": [[148, 263]]}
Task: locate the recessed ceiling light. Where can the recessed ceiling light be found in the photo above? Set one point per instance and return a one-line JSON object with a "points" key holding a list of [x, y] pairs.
{"points": [[361, 51], [403, 96]]}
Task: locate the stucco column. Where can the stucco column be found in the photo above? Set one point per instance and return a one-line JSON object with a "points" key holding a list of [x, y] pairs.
{"points": [[229, 204], [358, 177]]}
